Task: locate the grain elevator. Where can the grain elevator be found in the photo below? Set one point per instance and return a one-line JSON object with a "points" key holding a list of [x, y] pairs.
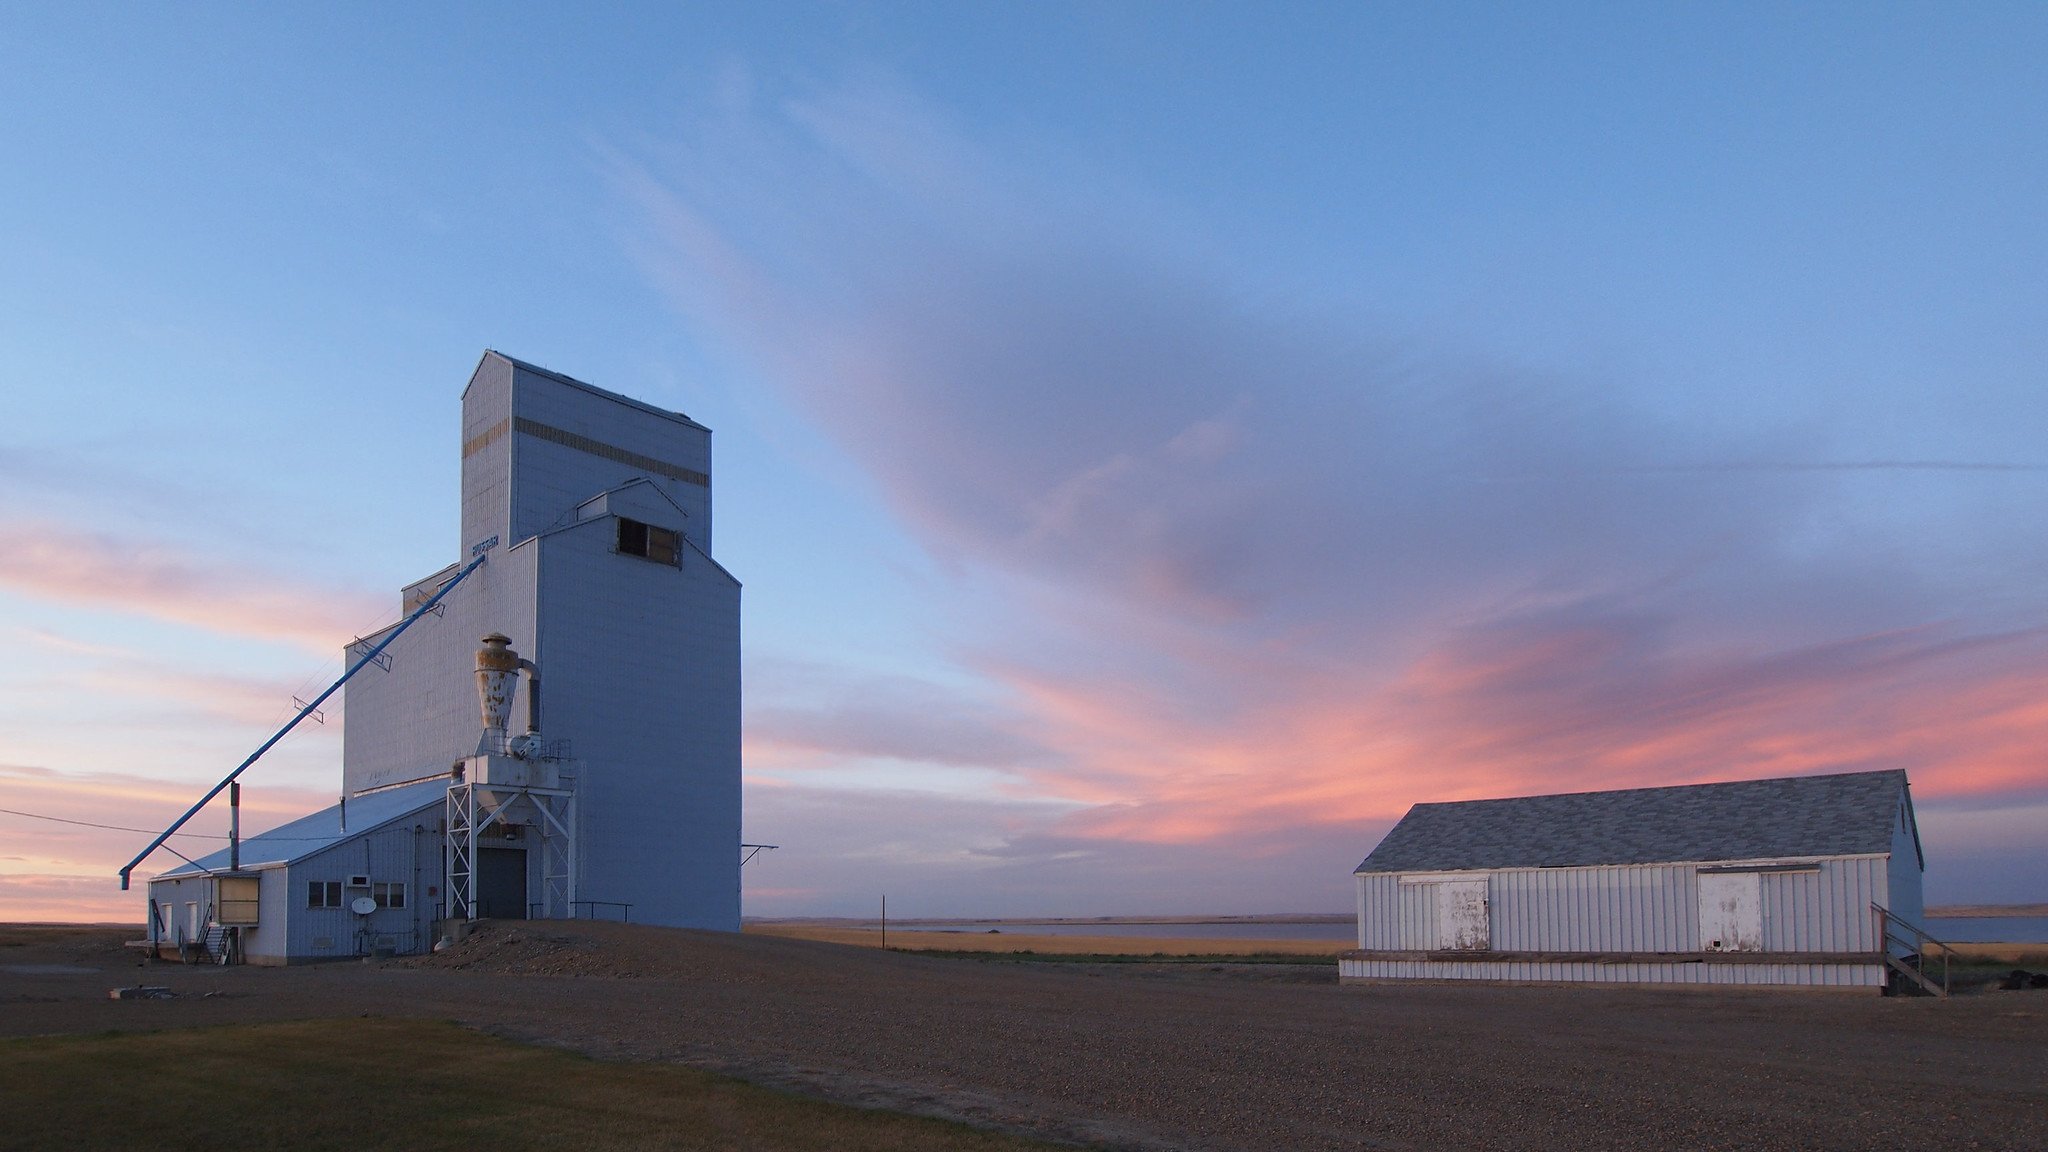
{"points": [[552, 728]]}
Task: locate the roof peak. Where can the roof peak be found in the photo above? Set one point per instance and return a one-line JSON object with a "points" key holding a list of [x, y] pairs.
{"points": [[571, 381], [1900, 773], [1827, 814]]}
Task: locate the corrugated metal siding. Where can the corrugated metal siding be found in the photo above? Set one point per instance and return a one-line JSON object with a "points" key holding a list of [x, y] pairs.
{"points": [[1824, 911], [396, 854], [642, 660], [1648, 908], [1591, 972], [643, 669], [274, 912], [176, 893], [420, 715], [1640, 908], [1397, 916], [1902, 894], [549, 476]]}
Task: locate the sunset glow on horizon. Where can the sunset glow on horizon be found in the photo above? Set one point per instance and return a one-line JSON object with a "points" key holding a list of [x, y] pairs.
{"points": [[1146, 487]]}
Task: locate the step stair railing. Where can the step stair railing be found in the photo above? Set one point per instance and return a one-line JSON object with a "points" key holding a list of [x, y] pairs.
{"points": [[1907, 951], [217, 943]]}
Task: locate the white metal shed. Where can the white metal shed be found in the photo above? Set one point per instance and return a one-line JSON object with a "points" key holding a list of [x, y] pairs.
{"points": [[1791, 882]]}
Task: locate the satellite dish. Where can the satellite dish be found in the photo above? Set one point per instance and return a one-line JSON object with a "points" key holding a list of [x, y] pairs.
{"points": [[363, 906]]}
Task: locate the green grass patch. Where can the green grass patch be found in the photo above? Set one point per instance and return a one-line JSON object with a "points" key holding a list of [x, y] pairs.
{"points": [[351, 1084]]}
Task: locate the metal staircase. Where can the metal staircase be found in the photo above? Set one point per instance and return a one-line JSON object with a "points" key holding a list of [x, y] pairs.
{"points": [[1906, 954]]}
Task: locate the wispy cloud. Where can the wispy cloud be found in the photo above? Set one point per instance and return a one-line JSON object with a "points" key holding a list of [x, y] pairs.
{"points": [[65, 868], [154, 579], [949, 856], [808, 708], [1243, 564]]}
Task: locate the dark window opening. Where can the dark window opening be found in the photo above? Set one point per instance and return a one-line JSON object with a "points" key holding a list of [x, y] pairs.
{"points": [[661, 545], [388, 895], [323, 894]]}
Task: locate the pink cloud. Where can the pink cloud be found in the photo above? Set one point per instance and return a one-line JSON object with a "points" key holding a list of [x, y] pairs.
{"points": [[151, 579], [66, 900], [59, 870], [1584, 706]]}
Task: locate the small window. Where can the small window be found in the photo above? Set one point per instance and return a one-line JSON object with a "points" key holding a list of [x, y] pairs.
{"points": [[323, 894], [661, 545], [388, 895]]}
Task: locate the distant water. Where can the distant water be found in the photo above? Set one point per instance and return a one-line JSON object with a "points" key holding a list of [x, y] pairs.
{"points": [[1260, 930], [1960, 929], [1994, 929]]}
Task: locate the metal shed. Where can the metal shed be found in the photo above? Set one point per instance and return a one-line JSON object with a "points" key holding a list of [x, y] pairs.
{"points": [[1809, 881], [383, 848]]}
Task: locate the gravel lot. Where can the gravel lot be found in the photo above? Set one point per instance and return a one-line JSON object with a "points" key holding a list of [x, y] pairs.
{"points": [[1161, 1056]]}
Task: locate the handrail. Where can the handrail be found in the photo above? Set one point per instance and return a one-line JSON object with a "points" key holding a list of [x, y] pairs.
{"points": [[481, 550], [625, 909], [1915, 939]]}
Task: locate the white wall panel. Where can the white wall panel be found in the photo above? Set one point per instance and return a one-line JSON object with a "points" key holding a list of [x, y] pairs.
{"points": [[1638, 908], [1813, 975]]}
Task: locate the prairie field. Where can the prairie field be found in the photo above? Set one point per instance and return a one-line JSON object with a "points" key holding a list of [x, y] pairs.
{"points": [[412, 1084], [927, 940], [552, 1033], [2025, 955]]}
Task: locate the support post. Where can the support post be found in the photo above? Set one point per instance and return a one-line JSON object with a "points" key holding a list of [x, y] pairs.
{"points": [[235, 826]]}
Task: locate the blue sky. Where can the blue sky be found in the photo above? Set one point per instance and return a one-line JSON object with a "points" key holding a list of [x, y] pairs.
{"points": [[1159, 442]]}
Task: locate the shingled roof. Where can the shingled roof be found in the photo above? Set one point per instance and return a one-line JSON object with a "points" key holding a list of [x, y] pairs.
{"points": [[1850, 813]]}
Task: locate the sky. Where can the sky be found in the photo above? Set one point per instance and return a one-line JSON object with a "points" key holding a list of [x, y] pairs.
{"points": [[1160, 443]]}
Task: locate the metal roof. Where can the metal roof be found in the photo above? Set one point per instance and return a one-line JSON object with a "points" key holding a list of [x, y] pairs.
{"points": [[1849, 813], [593, 389], [290, 843]]}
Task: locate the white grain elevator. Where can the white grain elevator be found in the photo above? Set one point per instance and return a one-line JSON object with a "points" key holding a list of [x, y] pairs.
{"points": [[621, 787]]}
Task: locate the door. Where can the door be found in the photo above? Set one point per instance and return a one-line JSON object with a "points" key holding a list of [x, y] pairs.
{"points": [[501, 883], [1461, 919], [1731, 912]]}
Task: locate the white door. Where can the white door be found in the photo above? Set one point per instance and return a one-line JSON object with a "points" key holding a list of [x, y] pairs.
{"points": [[1461, 920], [1731, 912]]}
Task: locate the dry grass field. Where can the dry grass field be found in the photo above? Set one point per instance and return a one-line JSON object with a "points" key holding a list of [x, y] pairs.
{"points": [[2023, 955], [925, 940]]}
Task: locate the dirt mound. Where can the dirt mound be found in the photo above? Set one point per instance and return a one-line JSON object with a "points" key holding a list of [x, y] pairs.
{"points": [[590, 949]]}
